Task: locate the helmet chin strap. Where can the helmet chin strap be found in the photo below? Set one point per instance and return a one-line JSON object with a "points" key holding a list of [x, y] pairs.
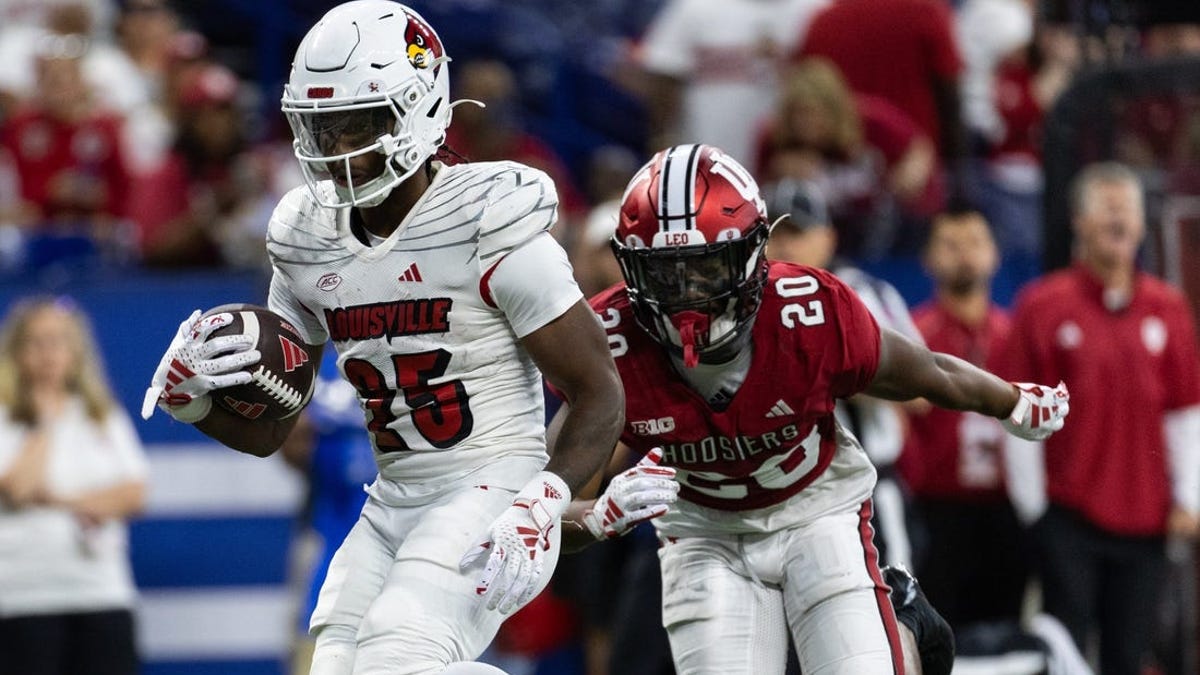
{"points": [[691, 325]]}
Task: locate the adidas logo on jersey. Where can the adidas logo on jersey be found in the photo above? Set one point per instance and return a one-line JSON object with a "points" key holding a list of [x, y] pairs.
{"points": [[551, 491], [411, 274], [780, 409]]}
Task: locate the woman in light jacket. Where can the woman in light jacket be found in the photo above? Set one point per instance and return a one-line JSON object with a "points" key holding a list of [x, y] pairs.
{"points": [[72, 472]]}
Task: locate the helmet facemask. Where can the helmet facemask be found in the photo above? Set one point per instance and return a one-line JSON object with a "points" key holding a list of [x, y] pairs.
{"points": [[700, 300], [330, 133]]}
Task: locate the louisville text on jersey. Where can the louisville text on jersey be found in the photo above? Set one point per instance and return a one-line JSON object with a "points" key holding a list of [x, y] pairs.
{"points": [[389, 319], [728, 448]]}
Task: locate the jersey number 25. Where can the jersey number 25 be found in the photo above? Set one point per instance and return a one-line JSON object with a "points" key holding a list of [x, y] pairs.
{"points": [[440, 412]]}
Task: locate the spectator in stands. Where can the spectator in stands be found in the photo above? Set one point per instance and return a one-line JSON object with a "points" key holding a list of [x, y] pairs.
{"points": [[105, 68], [66, 148], [713, 69], [498, 131], [203, 206], [1014, 75], [903, 51], [1125, 474], [972, 567], [209, 202], [160, 55], [147, 31], [868, 157], [806, 237], [71, 473], [988, 33]]}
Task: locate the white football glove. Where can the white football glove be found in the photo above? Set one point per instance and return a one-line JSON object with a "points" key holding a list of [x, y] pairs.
{"points": [[194, 365], [646, 491], [518, 541], [1039, 412]]}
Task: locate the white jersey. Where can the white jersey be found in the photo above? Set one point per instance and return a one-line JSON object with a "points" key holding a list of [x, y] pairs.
{"points": [[429, 343]]}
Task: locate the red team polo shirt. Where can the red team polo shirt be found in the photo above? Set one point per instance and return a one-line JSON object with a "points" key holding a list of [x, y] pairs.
{"points": [[937, 460], [1124, 368], [798, 368]]}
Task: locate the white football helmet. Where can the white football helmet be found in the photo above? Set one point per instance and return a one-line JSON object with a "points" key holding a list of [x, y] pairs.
{"points": [[370, 76]]}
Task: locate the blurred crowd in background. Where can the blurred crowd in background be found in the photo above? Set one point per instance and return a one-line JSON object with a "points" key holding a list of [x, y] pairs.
{"points": [[146, 132], [144, 135]]}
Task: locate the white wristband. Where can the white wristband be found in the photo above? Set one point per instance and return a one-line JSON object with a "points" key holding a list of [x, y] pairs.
{"points": [[191, 412], [549, 490]]}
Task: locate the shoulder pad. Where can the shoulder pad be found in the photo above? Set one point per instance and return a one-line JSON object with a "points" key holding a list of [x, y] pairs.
{"points": [[522, 203]]}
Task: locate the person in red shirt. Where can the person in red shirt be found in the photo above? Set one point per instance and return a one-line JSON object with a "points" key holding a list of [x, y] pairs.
{"points": [[867, 155], [975, 570], [901, 50], [66, 150], [1126, 473], [731, 366]]}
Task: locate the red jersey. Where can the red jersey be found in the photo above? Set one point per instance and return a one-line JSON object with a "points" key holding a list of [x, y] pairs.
{"points": [[950, 453], [1125, 369], [813, 341], [68, 170], [890, 48]]}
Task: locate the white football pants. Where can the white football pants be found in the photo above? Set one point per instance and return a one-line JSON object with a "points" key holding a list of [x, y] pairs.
{"points": [[395, 602], [729, 600]]}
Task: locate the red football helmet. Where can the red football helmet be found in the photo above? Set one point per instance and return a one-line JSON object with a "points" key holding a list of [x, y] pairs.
{"points": [[690, 243]]}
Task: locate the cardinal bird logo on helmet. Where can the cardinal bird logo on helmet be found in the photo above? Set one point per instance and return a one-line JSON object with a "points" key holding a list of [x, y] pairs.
{"points": [[423, 44]]}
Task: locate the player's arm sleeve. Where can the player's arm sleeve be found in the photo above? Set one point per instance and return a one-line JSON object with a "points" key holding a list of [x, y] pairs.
{"points": [[666, 47], [533, 284], [290, 217], [856, 341], [283, 302]]}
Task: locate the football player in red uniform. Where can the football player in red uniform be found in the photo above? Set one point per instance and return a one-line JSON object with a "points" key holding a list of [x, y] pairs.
{"points": [[731, 364]]}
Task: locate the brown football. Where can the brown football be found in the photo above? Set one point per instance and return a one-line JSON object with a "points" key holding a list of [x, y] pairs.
{"points": [[283, 378]]}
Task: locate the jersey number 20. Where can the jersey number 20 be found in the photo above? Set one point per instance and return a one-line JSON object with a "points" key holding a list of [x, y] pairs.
{"points": [[811, 313]]}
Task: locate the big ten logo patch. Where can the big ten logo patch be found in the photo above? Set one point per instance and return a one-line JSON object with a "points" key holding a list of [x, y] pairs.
{"points": [[651, 427]]}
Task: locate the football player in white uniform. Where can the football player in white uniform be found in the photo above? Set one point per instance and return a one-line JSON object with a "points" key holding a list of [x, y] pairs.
{"points": [[444, 294]]}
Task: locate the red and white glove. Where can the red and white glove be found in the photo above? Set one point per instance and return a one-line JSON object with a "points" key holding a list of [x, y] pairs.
{"points": [[1039, 412], [646, 491], [519, 541], [194, 365]]}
